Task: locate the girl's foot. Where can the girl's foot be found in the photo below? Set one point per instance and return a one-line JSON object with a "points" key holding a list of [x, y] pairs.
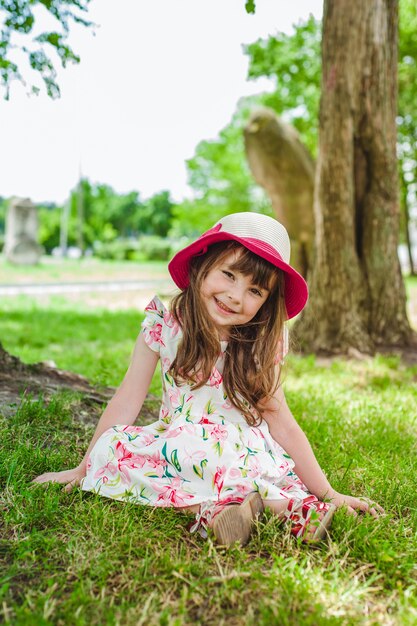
{"points": [[311, 520], [234, 522]]}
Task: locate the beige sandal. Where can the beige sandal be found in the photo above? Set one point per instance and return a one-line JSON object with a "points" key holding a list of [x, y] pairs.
{"points": [[234, 522]]}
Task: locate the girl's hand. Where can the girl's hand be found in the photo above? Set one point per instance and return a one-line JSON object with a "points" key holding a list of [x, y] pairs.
{"points": [[70, 478], [356, 504]]}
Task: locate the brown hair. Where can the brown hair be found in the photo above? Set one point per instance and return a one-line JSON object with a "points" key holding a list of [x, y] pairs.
{"points": [[249, 374]]}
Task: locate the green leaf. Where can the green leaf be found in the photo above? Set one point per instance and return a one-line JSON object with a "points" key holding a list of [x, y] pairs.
{"points": [[250, 6], [164, 452], [198, 471], [174, 460]]}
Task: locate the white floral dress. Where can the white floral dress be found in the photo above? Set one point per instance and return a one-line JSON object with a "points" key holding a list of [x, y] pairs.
{"points": [[200, 450]]}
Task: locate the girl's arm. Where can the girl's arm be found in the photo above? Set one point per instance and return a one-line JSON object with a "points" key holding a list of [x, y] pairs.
{"points": [[123, 408], [288, 434]]}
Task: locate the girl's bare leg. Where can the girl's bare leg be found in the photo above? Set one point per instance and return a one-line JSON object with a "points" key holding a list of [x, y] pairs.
{"points": [[191, 510], [278, 507]]}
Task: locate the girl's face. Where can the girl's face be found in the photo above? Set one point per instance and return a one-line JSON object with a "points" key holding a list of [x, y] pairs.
{"points": [[230, 297]]}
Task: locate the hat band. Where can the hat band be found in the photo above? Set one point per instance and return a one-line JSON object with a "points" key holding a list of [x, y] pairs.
{"points": [[261, 245]]}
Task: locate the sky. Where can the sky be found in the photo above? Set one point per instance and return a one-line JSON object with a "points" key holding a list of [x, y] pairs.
{"points": [[155, 79]]}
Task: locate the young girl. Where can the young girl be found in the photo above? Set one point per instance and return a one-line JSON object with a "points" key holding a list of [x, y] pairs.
{"points": [[225, 444]]}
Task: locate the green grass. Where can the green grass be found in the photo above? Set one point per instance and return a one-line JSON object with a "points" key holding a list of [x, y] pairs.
{"points": [[80, 559], [51, 269], [95, 343]]}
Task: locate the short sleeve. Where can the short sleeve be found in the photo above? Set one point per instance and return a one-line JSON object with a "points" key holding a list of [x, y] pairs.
{"points": [[283, 346], [152, 325]]}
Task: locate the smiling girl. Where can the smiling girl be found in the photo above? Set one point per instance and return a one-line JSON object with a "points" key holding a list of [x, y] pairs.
{"points": [[226, 444]]}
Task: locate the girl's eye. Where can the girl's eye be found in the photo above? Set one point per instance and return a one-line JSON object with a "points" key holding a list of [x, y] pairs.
{"points": [[256, 291], [228, 274]]}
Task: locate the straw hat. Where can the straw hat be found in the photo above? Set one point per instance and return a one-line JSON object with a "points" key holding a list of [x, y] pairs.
{"points": [[261, 234]]}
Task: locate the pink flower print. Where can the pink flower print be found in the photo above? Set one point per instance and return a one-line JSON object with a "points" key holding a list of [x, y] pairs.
{"points": [[163, 414], [204, 419], [235, 473], [155, 334], [122, 453], [152, 306], [132, 429], [244, 488], [218, 478], [208, 410], [155, 462], [226, 404], [178, 400], [171, 322], [175, 397], [126, 460], [172, 494], [235, 499], [253, 468], [193, 457], [109, 468], [170, 433], [147, 438], [215, 379], [219, 432], [166, 364]]}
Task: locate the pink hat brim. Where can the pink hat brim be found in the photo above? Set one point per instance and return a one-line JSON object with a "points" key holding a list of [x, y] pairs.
{"points": [[296, 290]]}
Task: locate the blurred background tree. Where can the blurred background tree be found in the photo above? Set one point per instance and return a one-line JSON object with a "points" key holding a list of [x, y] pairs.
{"points": [[293, 63], [18, 19], [220, 178], [20, 45], [112, 222]]}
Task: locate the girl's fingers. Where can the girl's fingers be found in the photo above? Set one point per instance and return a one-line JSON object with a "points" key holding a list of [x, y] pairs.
{"points": [[379, 508], [365, 505], [374, 508], [351, 511], [44, 478], [60, 478], [69, 487], [368, 506]]}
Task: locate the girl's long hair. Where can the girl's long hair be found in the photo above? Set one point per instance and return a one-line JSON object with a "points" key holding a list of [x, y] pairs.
{"points": [[249, 373]]}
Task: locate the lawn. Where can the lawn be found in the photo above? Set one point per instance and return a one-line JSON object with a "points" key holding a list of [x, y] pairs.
{"points": [[52, 270], [78, 559]]}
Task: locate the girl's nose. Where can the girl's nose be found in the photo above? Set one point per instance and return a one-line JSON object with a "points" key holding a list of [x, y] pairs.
{"points": [[235, 294]]}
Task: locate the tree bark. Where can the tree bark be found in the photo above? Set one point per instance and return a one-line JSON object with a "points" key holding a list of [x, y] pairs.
{"points": [[357, 295], [281, 164]]}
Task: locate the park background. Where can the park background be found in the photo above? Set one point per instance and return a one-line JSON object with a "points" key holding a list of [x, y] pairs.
{"points": [[72, 559]]}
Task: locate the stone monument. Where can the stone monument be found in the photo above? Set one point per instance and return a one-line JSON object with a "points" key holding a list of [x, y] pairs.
{"points": [[21, 243]]}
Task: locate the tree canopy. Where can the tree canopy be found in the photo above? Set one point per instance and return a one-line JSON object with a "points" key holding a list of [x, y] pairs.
{"points": [[221, 180], [293, 63], [218, 172], [20, 41]]}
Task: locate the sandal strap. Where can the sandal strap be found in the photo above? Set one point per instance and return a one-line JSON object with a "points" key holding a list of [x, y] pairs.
{"points": [[299, 513], [208, 511]]}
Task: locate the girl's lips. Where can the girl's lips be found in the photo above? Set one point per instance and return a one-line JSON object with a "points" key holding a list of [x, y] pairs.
{"points": [[222, 306]]}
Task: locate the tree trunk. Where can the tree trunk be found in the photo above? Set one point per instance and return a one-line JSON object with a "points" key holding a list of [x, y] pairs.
{"points": [[357, 295], [10, 363], [281, 163]]}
